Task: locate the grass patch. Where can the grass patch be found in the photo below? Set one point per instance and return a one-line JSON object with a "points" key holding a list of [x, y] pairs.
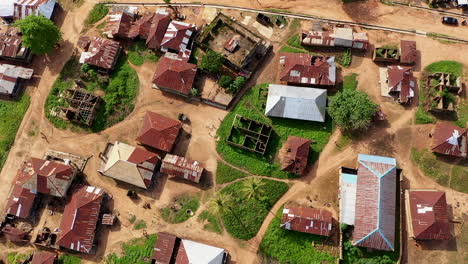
{"points": [[295, 41], [431, 167], [458, 179], [136, 251], [15, 257], [68, 259], [138, 53], [140, 225], [225, 173], [350, 81], [11, 115], [212, 222], [451, 67], [177, 212], [294, 25], [288, 246], [120, 93], [422, 116], [292, 50], [98, 12], [245, 218], [462, 114], [251, 106], [132, 219]]}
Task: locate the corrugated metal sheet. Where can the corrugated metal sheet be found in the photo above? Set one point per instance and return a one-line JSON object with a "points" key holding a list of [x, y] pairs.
{"points": [[307, 220], [401, 82], [296, 154], [408, 52], [175, 74], [19, 9], [102, 53], [182, 167], [108, 219], [307, 69], [159, 132], [9, 75], [20, 202], [44, 257], [10, 45], [340, 37], [158, 28], [164, 248], [177, 37], [191, 252], [118, 24], [449, 139]]}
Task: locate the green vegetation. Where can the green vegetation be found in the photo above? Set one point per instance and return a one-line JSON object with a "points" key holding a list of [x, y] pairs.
{"points": [[352, 110], [287, 246], [212, 61], [140, 225], [451, 67], [39, 33], [136, 251], [295, 41], [292, 50], [69, 259], [440, 171], [132, 219], [99, 12], [120, 91], [225, 81], [345, 58], [212, 222], [236, 85], [350, 82], [294, 25], [181, 210], [245, 216], [462, 114], [252, 106], [423, 117], [16, 258], [225, 173], [138, 53], [11, 115]]}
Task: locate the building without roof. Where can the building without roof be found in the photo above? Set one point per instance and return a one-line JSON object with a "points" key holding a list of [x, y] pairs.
{"points": [[101, 53], [79, 221], [178, 38], [340, 37], [11, 47], [82, 106], [295, 152], [157, 30], [427, 215], [374, 224], [174, 75], [118, 24], [399, 83], [11, 10], [11, 77], [159, 132], [307, 70], [449, 139], [307, 220], [129, 164], [296, 102], [182, 168], [44, 257]]}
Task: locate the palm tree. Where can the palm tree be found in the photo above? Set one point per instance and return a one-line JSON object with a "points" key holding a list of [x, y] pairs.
{"points": [[220, 203], [253, 188]]}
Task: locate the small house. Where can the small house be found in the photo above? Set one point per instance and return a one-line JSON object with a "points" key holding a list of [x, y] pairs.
{"points": [[182, 168], [294, 155], [427, 215], [449, 139], [408, 52], [44, 257], [398, 82], [157, 30], [174, 75], [118, 24], [11, 47], [11, 78], [343, 37], [307, 220], [307, 70], [11, 10], [101, 53], [178, 38], [129, 164], [159, 132], [296, 102]]}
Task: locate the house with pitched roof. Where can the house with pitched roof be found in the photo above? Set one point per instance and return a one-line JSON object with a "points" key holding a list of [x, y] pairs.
{"points": [[129, 164], [296, 102], [305, 69], [174, 75], [141, 26], [398, 82], [182, 167], [159, 132], [408, 52], [375, 183], [11, 78], [101, 53], [307, 220], [80, 217], [427, 215], [294, 154], [11, 10], [449, 139], [44, 257], [157, 30], [344, 37], [178, 38], [118, 24], [11, 47]]}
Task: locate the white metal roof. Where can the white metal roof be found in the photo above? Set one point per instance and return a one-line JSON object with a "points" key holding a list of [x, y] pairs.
{"points": [[202, 253]]}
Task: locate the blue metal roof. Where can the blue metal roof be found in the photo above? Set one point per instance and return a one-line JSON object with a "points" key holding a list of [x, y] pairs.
{"points": [[349, 178]]}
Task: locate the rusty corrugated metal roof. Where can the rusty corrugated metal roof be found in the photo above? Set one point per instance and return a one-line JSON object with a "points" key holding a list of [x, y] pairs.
{"points": [[20, 201], [164, 248], [449, 139], [159, 132], [182, 167], [9, 75], [297, 152], [175, 74], [118, 24], [10, 45], [307, 220], [141, 27], [307, 69], [409, 53], [158, 28], [177, 37], [44, 257], [101, 53], [402, 82]]}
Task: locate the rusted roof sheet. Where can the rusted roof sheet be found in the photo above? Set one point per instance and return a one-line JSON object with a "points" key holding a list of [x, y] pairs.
{"points": [[20, 202], [449, 139], [177, 37], [83, 42], [108, 219], [164, 248], [81, 214], [141, 27], [297, 152], [340, 37], [101, 53], [409, 53], [118, 24], [428, 215], [10, 45], [182, 167], [44, 257], [307, 69], [9, 75], [402, 82], [307, 220], [19, 9], [159, 132], [175, 74], [14, 234], [374, 225], [158, 28]]}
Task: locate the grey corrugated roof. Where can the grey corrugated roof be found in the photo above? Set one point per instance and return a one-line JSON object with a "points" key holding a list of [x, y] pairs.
{"points": [[296, 102]]}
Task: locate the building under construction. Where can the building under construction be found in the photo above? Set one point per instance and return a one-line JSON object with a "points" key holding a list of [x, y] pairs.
{"points": [[82, 106]]}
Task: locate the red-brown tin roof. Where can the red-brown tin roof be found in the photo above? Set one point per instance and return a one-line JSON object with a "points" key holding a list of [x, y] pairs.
{"points": [[118, 24], [175, 74], [178, 35], [164, 248], [159, 132], [429, 215], [295, 157], [401, 80], [449, 139], [159, 24], [102, 53], [409, 53], [80, 217], [307, 69], [182, 167], [20, 202], [44, 257], [307, 220], [141, 27], [10, 44]]}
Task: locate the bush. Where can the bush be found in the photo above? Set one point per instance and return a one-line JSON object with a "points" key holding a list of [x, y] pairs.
{"points": [[134, 251], [69, 259], [350, 82], [185, 203], [212, 61], [245, 218], [194, 92], [225, 81], [135, 58], [225, 173], [236, 85], [138, 53], [99, 12], [140, 225], [422, 117]]}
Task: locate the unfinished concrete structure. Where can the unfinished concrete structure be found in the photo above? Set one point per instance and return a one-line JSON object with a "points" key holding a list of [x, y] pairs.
{"points": [[444, 91], [82, 106], [249, 134]]}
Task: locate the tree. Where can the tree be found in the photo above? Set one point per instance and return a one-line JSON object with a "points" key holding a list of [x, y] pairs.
{"points": [[194, 92], [225, 81], [252, 188], [220, 203], [352, 110], [39, 33], [236, 85], [167, 1], [212, 61]]}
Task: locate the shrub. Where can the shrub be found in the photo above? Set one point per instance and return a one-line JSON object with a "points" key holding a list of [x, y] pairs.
{"points": [[135, 58], [225, 81], [69, 259], [99, 12], [213, 225], [140, 225], [134, 251], [212, 61], [194, 92], [236, 85]]}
